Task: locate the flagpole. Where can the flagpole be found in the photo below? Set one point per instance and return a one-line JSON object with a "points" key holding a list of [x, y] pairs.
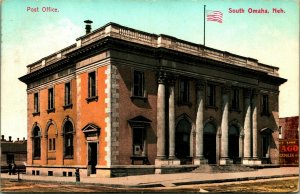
{"points": [[204, 24]]}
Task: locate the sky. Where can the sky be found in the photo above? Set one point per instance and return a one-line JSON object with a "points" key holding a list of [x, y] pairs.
{"points": [[28, 35]]}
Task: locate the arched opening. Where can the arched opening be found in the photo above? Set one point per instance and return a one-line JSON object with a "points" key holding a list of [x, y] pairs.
{"points": [[51, 151], [233, 143], [266, 137], [36, 135], [182, 139], [209, 143], [68, 139]]}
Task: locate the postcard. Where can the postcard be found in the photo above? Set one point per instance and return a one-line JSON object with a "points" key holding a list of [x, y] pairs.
{"points": [[149, 96]]}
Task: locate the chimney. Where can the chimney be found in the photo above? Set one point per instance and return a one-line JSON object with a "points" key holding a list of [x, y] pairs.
{"points": [[18, 139], [2, 138], [23, 138], [9, 138], [88, 26]]}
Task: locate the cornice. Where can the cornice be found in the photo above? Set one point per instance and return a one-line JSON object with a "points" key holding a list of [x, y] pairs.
{"points": [[111, 43]]}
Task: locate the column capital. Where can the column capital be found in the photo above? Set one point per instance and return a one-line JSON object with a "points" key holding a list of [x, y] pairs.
{"points": [[162, 77], [255, 91], [247, 93], [226, 88], [171, 80], [200, 84]]}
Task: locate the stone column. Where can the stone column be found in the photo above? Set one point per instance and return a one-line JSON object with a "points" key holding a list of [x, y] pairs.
{"points": [[224, 126], [172, 118], [161, 117], [199, 124], [254, 126], [247, 128], [241, 145]]}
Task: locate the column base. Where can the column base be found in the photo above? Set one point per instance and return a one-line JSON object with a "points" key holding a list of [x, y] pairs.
{"points": [[166, 162], [201, 160], [173, 161], [225, 161], [251, 161], [161, 162]]}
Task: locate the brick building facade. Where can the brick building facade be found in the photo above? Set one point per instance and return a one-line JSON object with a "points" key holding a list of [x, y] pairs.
{"points": [[289, 127], [122, 100]]}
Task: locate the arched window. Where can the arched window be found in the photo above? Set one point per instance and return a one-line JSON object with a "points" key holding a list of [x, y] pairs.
{"points": [[36, 142], [68, 139], [182, 139]]}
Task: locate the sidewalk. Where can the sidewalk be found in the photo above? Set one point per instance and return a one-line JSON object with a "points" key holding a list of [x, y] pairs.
{"points": [[169, 180]]}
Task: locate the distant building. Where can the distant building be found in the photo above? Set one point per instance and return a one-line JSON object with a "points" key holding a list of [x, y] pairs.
{"points": [[289, 128], [13, 152], [289, 141], [121, 101]]}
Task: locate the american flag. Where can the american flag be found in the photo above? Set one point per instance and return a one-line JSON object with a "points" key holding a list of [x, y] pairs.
{"points": [[215, 16]]}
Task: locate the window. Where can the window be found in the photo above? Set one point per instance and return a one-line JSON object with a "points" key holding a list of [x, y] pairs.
{"points": [[280, 132], [139, 127], [68, 139], [92, 84], [36, 103], [211, 95], [235, 104], [139, 137], [51, 144], [184, 91], [138, 84], [50, 99], [36, 142], [92, 87], [265, 105], [67, 94]]}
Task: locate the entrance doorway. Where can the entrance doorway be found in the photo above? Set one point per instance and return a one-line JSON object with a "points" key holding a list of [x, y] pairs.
{"points": [[233, 143], [92, 157], [182, 139], [209, 143]]}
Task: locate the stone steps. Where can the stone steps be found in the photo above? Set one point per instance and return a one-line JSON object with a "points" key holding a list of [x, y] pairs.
{"points": [[206, 168]]}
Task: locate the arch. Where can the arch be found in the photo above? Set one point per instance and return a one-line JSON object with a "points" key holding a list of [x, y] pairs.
{"points": [[235, 140], [183, 137], [210, 131], [34, 126], [236, 123], [68, 130], [36, 141], [49, 123], [64, 122], [184, 116]]}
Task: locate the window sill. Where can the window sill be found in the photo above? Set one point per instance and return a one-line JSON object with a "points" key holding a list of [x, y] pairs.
{"points": [[212, 107], [51, 151], [36, 113], [68, 106], [138, 98], [91, 99], [36, 158], [51, 110], [68, 157]]}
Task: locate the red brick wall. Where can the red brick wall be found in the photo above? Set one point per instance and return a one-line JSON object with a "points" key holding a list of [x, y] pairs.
{"points": [[289, 126]]}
